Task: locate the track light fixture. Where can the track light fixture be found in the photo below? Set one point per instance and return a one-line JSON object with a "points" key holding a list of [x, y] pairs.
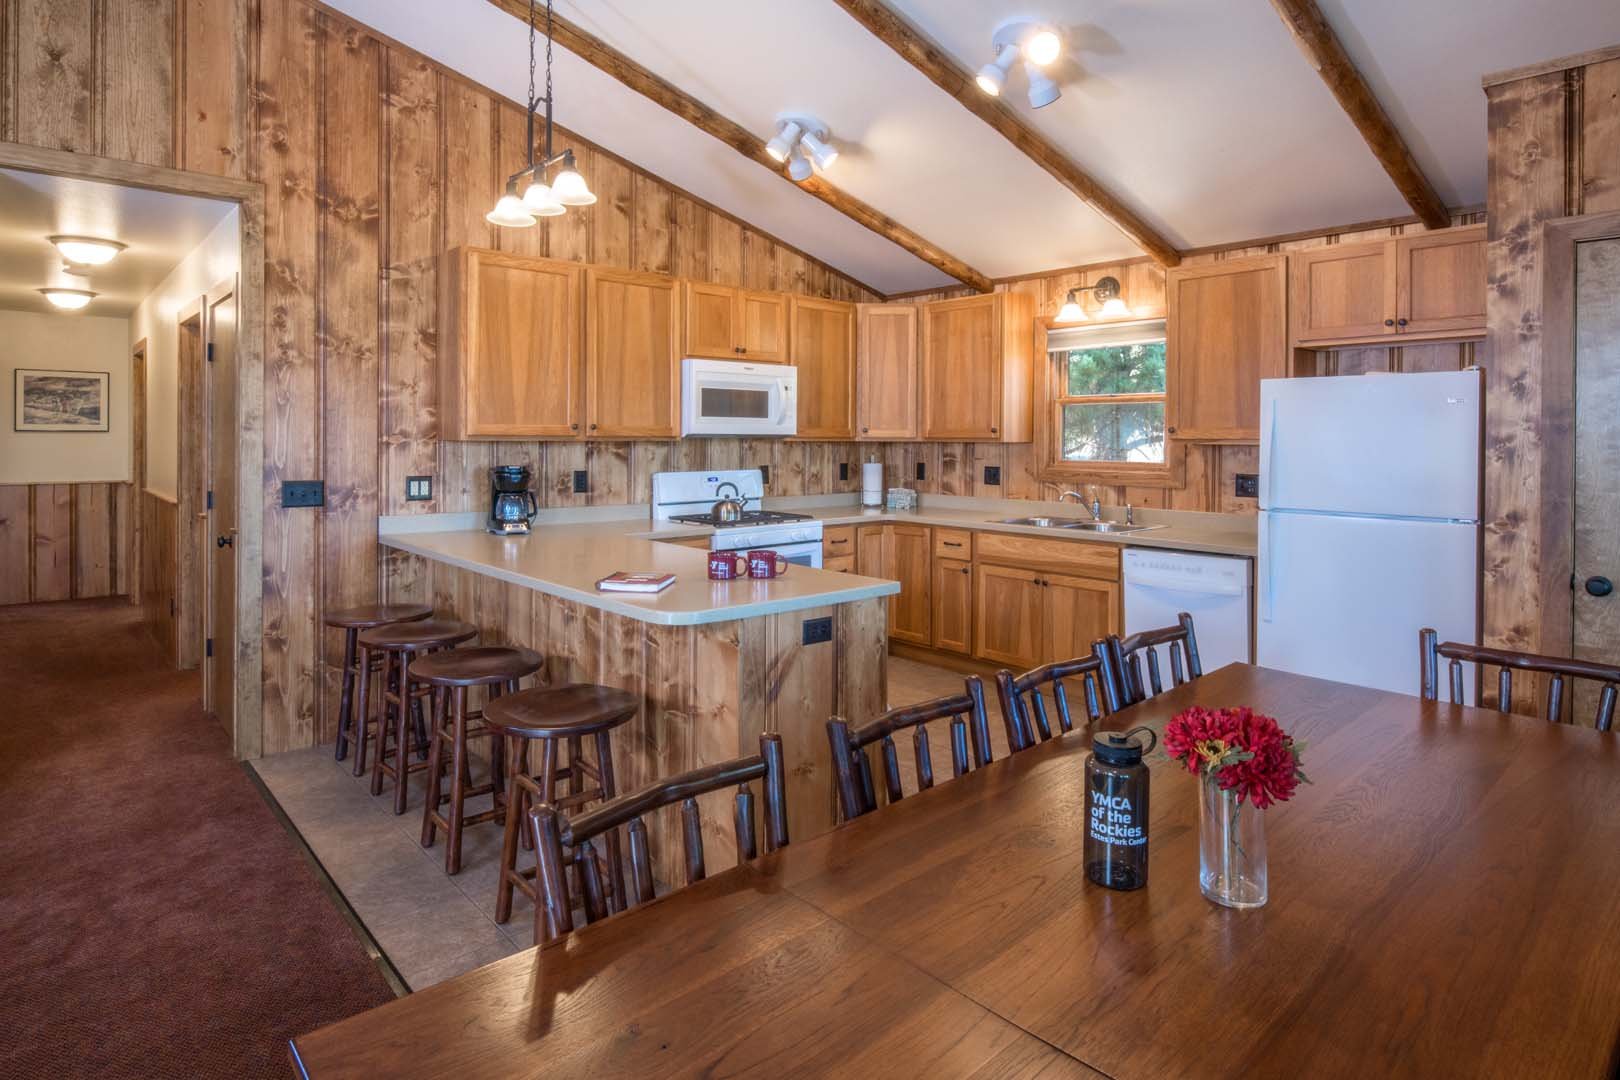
{"points": [[1039, 46], [527, 194], [1106, 290], [801, 139]]}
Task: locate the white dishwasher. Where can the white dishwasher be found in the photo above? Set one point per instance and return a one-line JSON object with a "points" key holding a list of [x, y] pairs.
{"points": [[1214, 589]]}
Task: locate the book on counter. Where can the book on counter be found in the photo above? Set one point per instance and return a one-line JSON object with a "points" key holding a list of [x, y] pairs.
{"points": [[641, 582]]}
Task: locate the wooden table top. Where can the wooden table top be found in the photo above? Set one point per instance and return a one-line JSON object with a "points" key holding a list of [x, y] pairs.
{"points": [[1445, 900]]}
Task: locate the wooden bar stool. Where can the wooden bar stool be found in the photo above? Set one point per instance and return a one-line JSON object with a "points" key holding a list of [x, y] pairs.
{"points": [[400, 644], [450, 674], [556, 715], [351, 621]]}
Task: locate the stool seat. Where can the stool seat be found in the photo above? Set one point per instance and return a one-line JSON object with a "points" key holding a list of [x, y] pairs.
{"points": [[487, 665], [561, 712], [369, 615], [420, 634]]}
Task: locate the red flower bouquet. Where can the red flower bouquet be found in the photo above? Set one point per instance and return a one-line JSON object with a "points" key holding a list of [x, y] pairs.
{"points": [[1239, 750]]}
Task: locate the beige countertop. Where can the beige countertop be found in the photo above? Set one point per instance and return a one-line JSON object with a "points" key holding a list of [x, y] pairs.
{"points": [[1209, 534]]}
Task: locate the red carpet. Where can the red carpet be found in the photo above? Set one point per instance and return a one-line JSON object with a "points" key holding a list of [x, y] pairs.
{"points": [[157, 921]]}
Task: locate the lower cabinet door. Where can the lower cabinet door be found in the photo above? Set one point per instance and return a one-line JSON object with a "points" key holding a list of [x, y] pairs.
{"points": [[1007, 615], [839, 564], [953, 605], [1078, 612], [911, 613]]}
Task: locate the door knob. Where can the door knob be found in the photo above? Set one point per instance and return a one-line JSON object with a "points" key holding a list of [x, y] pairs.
{"points": [[228, 541], [1599, 586]]}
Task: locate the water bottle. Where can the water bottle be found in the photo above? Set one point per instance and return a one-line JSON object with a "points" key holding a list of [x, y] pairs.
{"points": [[1116, 851]]}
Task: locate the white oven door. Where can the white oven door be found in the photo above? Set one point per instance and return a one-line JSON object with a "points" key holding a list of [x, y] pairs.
{"points": [[723, 397], [801, 554]]}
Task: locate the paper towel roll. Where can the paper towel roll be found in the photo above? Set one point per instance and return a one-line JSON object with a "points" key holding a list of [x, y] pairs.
{"points": [[872, 483]]}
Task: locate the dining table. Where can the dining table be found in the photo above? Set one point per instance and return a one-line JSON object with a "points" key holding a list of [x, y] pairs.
{"points": [[1444, 901]]}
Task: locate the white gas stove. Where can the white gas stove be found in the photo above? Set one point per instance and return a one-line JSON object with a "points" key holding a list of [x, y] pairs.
{"points": [[686, 497]]}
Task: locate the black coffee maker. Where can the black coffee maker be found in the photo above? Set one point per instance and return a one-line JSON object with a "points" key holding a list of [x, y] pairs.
{"points": [[511, 504]]}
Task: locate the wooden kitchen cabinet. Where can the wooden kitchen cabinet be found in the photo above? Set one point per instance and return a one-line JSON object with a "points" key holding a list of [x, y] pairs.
{"points": [[821, 345], [1427, 285], [910, 557], [1346, 291], [977, 368], [1008, 616], [1226, 329], [511, 363], [887, 372], [632, 355], [1440, 282], [953, 605], [871, 551], [1077, 611], [727, 323]]}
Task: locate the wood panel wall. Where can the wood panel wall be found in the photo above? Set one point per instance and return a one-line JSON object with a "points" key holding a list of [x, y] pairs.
{"points": [[1554, 152], [158, 598], [63, 542]]}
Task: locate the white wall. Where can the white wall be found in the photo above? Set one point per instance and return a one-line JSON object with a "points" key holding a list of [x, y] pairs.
{"points": [[157, 319], [70, 342]]}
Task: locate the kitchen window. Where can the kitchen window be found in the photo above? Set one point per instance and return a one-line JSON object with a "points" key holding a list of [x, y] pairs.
{"points": [[1106, 403]]}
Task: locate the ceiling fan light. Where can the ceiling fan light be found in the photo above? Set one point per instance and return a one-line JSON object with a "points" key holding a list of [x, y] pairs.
{"points": [[798, 169], [1114, 308], [782, 145], [539, 201], [510, 213], [569, 189], [87, 250], [68, 299], [1042, 47], [1071, 311], [821, 152], [1042, 90]]}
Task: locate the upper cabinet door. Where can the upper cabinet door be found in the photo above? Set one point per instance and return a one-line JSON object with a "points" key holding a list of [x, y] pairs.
{"points": [[511, 360], [1442, 281], [1345, 291], [1227, 328], [711, 321], [887, 395], [822, 339], [633, 360], [961, 385], [762, 320]]}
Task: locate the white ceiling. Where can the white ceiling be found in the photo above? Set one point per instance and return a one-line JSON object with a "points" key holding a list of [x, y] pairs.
{"points": [[160, 229], [1201, 115]]}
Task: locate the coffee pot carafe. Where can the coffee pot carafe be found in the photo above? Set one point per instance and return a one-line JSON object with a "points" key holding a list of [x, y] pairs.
{"points": [[512, 505]]}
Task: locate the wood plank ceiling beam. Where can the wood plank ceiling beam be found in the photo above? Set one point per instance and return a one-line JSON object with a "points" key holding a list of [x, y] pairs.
{"points": [[1322, 49], [604, 57], [893, 30]]}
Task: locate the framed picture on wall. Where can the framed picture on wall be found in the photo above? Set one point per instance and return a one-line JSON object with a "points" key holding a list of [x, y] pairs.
{"points": [[60, 400]]}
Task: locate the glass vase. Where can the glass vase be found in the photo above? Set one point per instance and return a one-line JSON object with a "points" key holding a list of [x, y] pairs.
{"points": [[1231, 849]]}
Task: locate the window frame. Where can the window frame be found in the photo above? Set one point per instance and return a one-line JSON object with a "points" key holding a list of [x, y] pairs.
{"points": [[1050, 400]]}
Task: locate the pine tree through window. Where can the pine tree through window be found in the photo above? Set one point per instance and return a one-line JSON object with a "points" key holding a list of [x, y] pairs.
{"points": [[1110, 393]]}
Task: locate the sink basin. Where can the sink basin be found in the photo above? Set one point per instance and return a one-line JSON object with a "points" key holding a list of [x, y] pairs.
{"points": [[1109, 527], [1043, 522]]}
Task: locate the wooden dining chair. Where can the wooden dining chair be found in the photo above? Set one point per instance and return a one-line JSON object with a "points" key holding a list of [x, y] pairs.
{"points": [[1023, 697], [561, 843], [1122, 668], [1560, 668], [852, 770]]}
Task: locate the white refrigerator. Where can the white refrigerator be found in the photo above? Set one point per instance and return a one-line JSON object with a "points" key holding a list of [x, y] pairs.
{"points": [[1369, 522]]}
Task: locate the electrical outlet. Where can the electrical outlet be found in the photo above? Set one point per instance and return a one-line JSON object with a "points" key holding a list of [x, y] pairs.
{"points": [[843, 470], [303, 493], [765, 475], [418, 488], [817, 630], [1247, 486], [582, 481], [992, 475], [922, 470]]}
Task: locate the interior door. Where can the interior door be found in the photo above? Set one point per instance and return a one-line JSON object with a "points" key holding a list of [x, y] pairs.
{"points": [[1596, 614], [219, 684]]}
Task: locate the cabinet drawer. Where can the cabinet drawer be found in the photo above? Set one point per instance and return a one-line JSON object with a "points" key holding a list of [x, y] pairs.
{"points": [[952, 543], [838, 564], [1080, 557], [838, 540]]}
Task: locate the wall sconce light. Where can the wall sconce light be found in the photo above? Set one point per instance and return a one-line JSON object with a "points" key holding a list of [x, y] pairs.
{"points": [[1106, 290]]}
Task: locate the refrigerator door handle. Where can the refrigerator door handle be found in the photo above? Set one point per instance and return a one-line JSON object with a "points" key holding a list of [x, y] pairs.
{"points": [[1267, 452], [1269, 565]]}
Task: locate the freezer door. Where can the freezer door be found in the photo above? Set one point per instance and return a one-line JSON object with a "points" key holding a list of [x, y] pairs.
{"points": [[1344, 597], [1387, 445]]}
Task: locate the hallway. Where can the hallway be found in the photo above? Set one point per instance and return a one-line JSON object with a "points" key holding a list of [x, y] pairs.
{"points": [[158, 919]]}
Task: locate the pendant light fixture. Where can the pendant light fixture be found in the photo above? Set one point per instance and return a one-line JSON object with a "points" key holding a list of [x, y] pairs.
{"points": [[1106, 290], [522, 202]]}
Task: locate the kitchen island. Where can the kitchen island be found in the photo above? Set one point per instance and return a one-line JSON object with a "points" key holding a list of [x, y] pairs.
{"points": [[715, 663]]}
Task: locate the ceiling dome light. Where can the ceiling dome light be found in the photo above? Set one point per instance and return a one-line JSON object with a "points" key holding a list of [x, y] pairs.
{"points": [[798, 168], [87, 250], [820, 151], [1042, 90], [510, 212], [786, 135], [1071, 311], [539, 201], [1042, 47], [993, 76], [69, 299], [569, 188]]}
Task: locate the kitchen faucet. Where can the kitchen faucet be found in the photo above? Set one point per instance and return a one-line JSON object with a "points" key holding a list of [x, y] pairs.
{"points": [[1096, 504]]}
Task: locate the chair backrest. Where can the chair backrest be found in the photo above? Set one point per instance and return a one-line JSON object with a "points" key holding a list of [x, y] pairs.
{"points": [[853, 771], [1560, 668], [560, 841], [1122, 666], [1023, 705]]}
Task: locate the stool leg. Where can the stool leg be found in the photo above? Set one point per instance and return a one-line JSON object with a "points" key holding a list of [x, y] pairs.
{"points": [[516, 802], [402, 735], [576, 779], [418, 725], [604, 767], [435, 768], [525, 834], [458, 779], [497, 748], [362, 718], [346, 698], [384, 682]]}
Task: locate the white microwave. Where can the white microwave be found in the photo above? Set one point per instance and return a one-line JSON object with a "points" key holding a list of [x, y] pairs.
{"points": [[729, 397]]}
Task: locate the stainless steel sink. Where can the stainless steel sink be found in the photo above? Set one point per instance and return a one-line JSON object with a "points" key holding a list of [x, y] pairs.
{"points": [[1109, 527], [1043, 522]]}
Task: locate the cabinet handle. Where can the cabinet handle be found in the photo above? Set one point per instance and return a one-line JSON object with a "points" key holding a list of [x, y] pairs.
{"points": [[964, 569], [993, 430], [1171, 430], [951, 543], [1400, 322], [1389, 322], [593, 427], [865, 430], [574, 426]]}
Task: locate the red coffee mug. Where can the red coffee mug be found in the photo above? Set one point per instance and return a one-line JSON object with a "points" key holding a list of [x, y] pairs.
{"points": [[765, 563], [726, 565]]}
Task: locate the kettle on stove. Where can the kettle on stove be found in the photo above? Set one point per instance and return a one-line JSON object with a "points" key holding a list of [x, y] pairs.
{"points": [[512, 505]]}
